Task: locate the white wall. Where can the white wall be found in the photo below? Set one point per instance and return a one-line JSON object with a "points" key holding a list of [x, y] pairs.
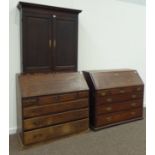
{"points": [[111, 35]]}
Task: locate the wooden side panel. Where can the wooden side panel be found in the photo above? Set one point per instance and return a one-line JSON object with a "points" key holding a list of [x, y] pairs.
{"points": [[43, 121], [55, 131], [19, 108]]}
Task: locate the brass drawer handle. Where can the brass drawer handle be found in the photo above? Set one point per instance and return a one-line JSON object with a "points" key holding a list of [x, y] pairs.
{"points": [[122, 91], [133, 104], [109, 99], [133, 113], [139, 88], [108, 108], [108, 118], [134, 96], [103, 94]]}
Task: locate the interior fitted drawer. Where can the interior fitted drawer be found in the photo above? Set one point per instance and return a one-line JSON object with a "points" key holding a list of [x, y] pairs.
{"points": [[42, 100], [55, 131], [113, 107], [113, 118], [118, 98], [54, 108], [120, 90], [47, 120]]}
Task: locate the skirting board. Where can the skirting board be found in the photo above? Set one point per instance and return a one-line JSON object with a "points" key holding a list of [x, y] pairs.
{"points": [[12, 131]]}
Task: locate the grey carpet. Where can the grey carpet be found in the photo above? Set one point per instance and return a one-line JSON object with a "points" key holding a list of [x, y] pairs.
{"points": [[126, 139]]}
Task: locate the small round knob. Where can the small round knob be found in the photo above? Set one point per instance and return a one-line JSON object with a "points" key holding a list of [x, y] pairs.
{"points": [[122, 91], [134, 96], [133, 113], [54, 16], [108, 118], [133, 104], [138, 89], [109, 108], [103, 94], [109, 100]]}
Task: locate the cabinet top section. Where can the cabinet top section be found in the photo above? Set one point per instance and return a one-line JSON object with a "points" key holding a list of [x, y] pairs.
{"points": [[114, 78], [39, 84], [22, 5]]}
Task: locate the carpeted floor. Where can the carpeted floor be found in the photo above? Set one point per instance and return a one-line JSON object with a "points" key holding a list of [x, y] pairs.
{"points": [[126, 139]]}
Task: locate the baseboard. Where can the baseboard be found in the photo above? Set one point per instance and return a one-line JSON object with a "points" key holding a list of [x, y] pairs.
{"points": [[12, 131]]}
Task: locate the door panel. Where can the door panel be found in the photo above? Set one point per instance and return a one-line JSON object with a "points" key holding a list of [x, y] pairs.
{"points": [[65, 44], [37, 54]]}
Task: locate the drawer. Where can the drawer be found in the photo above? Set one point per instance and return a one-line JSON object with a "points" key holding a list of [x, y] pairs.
{"points": [[56, 131], [113, 107], [123, 90], [118, 98], [118, 117], [48, 120], [42, 100], [54, 108]]}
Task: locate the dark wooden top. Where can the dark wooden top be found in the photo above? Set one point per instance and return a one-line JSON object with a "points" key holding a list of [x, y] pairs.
{"points": [[29, 5], [47, 83], [114, 78]]}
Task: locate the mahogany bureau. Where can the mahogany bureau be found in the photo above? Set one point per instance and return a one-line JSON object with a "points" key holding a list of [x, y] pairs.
{"points": [[115, 97], [51, 105]]}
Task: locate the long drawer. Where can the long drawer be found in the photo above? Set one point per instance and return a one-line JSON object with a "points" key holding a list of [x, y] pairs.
{"points": [[54, 108], [48, 120], [122, 90], [118, 98], [106, 119], [55, 131], [49, 99], [114, 107]]}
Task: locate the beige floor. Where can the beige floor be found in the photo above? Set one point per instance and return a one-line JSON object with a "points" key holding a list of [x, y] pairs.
{"points": [[126, 139]]}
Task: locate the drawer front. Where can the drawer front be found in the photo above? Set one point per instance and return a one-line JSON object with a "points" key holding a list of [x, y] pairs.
{"points": [[118, 98], [108, 119], [54, 108], [55, 131], [42, 100], [114, 107], [43, 121], [120, 90]]}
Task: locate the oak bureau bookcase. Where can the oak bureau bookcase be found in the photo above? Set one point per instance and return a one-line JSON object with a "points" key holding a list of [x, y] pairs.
{"points": [[49, 37], [116, 97], [50, 104]]}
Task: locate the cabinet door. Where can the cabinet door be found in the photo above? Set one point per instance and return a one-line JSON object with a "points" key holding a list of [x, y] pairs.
{"points": [[36, 50], [65, 44]]}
